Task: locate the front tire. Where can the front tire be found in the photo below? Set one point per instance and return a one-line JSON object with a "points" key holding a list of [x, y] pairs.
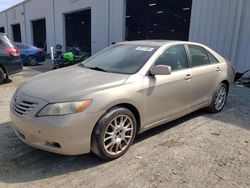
{"points": [[32, 60], [114, 133], [219, 99], [1, 76]]}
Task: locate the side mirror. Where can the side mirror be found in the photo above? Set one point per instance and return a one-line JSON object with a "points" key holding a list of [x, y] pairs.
{"points": [[161, 70]]}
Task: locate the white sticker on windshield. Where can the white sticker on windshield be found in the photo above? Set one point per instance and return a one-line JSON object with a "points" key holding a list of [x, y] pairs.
{"points": [[147, 49]]}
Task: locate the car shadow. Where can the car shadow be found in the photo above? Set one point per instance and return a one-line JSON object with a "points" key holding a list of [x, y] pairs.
{"points": [[164, 127], [19, 161]]}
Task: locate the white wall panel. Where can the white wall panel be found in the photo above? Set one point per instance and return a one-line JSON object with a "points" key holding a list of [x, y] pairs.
{"points": [[107, 20], [117, 21], [3, 21], [61, 8], [100, 24], [35, 10], [16, 16]]}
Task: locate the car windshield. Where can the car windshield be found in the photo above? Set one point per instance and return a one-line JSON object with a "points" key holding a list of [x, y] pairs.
{"points": [[121, 58]]}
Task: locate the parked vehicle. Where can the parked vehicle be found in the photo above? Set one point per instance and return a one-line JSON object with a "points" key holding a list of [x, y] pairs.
{"points": [[100, 104], [30, 55], [239, 75], [10, 62], [71, 57]]}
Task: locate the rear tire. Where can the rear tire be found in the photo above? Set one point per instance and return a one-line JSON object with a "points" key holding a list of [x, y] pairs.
{"points": [[32, 60], [2, 77], [219, 99], [114, 133]]}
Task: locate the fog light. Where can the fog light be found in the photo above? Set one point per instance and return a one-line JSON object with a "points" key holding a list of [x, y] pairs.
{"points": [[53, 144]]}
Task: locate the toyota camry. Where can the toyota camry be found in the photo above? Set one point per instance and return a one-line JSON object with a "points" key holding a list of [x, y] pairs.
{"points": [[101, 104]]}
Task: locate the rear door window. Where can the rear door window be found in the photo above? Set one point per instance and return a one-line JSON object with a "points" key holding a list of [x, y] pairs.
{"points": [[198, 55]]}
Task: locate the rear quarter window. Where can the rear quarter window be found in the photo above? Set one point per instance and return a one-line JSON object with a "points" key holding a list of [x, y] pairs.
{"points": [[198, 55], [6, 43], [22, 46]]}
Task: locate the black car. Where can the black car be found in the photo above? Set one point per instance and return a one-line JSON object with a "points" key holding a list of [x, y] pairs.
{"points": [[10, 63]]}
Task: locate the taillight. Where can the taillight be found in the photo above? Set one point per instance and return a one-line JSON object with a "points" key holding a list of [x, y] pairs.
{"points": [[13, 51]]}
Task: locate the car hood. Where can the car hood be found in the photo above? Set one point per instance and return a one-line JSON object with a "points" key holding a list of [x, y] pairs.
{"points": [[71, 83]]}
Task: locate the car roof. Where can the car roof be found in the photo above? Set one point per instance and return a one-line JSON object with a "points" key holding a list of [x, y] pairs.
{"points": [[158, 42], [161, 43], [20, 43], [152, 42]]}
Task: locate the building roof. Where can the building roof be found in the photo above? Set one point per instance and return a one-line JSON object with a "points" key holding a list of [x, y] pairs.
{"points": [[5, 10]]}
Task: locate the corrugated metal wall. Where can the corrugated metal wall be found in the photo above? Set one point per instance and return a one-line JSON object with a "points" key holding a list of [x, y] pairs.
{"points": [[117, 21], [99, 24], [242, 59], [224, 26]]}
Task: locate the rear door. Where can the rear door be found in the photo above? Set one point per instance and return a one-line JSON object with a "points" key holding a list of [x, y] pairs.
{"points": [[205, 72]]}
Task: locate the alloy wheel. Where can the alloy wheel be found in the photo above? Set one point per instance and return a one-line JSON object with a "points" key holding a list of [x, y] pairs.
{"points": [[220, 98], [32, 60], [118, 134]]}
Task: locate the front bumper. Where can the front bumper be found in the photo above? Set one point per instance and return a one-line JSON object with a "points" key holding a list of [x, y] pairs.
{"points": [[68, 135]]}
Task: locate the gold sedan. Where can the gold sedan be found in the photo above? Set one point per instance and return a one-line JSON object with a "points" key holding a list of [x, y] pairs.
{"points": [[100, 104]]}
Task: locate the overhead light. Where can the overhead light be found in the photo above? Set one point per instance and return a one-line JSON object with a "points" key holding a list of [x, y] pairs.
{"points": [[160, 12], [138, 32], [82, 22], [152, 4], [172, 30], [150, 31], [127, 16], [155, 24], [186, 9]]}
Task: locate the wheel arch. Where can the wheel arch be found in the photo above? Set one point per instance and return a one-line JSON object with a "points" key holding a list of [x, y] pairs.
{"points": [[128, 106], [227, 84], [132, 108], [135, 112]]}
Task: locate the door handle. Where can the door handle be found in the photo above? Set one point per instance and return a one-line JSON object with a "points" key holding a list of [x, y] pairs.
{"points": [[188, 77], [218, 69]]}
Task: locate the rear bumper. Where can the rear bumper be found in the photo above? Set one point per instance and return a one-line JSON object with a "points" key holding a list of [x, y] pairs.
{"points": [[14, 67], [41, 57]]}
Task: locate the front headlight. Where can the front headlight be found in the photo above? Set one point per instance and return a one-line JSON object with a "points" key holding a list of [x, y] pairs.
{"points": [[59, 109]]}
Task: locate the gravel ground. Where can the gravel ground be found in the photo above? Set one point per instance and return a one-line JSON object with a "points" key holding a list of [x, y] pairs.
{"points": [[198, 150]]}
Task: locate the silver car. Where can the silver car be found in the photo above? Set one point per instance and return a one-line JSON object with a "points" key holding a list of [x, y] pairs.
{"points": [[100, 104]]}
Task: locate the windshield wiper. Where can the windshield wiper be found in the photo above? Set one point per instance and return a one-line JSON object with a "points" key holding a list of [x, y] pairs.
{"points": [[97, 69]]}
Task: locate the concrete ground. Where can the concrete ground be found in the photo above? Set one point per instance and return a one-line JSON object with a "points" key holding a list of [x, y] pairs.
{"points": [[198, 150]]}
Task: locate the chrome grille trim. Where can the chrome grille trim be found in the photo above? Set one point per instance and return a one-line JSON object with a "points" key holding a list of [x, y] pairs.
{"points": [[23, 107]]}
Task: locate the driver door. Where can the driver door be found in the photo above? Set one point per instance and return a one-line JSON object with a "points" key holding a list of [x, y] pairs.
{"points": [[167, 96]]}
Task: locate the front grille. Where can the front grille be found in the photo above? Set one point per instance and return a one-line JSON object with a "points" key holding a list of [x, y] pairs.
{"points": [[23, 107]]}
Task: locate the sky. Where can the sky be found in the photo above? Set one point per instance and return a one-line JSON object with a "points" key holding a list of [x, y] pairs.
{"points": [[4, 4]]}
